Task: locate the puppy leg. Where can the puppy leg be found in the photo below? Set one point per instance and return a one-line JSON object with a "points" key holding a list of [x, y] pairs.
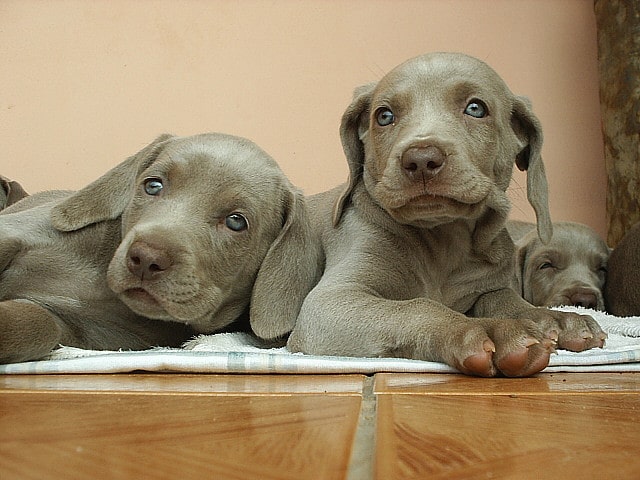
{"points": [[338, 320], [27, 331]]}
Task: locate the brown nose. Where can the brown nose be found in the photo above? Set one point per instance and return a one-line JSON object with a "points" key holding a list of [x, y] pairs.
{"points": [[584, 298], [147, 262], [422, 162]]}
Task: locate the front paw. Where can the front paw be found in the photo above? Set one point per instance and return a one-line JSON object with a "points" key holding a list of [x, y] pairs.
{"points": [[575, 332], [27, 331], [513, 348]]}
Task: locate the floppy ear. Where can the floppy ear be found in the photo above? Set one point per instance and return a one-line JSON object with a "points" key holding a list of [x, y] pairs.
{"points": [[11, 192], [529, 131], [107, 197], [288, 272], [354, 126]]}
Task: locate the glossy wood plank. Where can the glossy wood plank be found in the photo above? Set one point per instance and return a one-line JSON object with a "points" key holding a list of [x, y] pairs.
{"points": [[302, 426], [67, 435], [578, 426], [188, 383], [543, 384]]}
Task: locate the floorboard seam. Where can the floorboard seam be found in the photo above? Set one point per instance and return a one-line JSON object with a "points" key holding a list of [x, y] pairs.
{"points": [[361, 462]]}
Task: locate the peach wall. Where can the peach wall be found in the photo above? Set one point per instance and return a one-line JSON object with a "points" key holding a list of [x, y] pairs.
{"points": [[83, 84]]}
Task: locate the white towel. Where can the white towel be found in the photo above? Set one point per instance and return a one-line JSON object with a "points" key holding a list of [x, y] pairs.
{"points": [[242, 353]]}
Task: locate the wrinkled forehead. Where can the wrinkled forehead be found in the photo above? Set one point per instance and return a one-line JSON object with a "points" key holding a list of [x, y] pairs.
{"points": [[580, 239], [442, 73], [218, 162]]}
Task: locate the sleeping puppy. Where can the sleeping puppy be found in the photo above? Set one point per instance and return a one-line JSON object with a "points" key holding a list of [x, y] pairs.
{"points": [[569, 270], [622, 290], [178, 239], [10, 192], [418, 260]]}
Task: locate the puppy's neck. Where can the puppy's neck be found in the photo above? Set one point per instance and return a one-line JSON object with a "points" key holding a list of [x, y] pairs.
{"points": [[369, 210], [489, 239]]}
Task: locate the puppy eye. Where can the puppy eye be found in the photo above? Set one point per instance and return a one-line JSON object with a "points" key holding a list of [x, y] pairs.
{"points": [[236, 222], [385, 117], [476, 108], [153, 186], [545, 265]]}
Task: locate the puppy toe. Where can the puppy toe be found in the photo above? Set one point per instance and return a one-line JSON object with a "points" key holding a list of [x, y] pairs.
{"points": [[597, 336], [530, 357], [583, 339], [480, 363]]}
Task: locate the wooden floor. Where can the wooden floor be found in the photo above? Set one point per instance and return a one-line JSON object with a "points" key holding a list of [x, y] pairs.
{"points": [[391, 426]]}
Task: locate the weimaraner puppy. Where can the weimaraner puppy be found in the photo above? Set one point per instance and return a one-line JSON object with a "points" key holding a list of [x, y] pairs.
{"points": [[10, 192], [418, 260], [178, 239], [569, 270], [622, 289]]}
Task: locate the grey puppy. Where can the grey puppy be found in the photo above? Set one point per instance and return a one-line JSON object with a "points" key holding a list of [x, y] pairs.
{"points": [[622, 289], [418, 261], [569, 270], [178, 239]]}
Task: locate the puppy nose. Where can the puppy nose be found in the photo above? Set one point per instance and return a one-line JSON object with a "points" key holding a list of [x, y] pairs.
{"points": [[422, 162], [147, 262], [584, 298]]}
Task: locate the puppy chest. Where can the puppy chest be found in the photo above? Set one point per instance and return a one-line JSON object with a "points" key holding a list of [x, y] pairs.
{"points": [[456, 279]]}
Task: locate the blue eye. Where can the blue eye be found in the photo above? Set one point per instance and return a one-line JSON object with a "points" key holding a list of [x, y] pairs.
{"points": [[476, 108], [236, 222], [153, 186], [384, 116]]}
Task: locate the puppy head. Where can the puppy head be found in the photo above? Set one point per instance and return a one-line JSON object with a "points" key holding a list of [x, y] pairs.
{"points": [[569, 270], [10, 192], [435, 140], [199, 215]]}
